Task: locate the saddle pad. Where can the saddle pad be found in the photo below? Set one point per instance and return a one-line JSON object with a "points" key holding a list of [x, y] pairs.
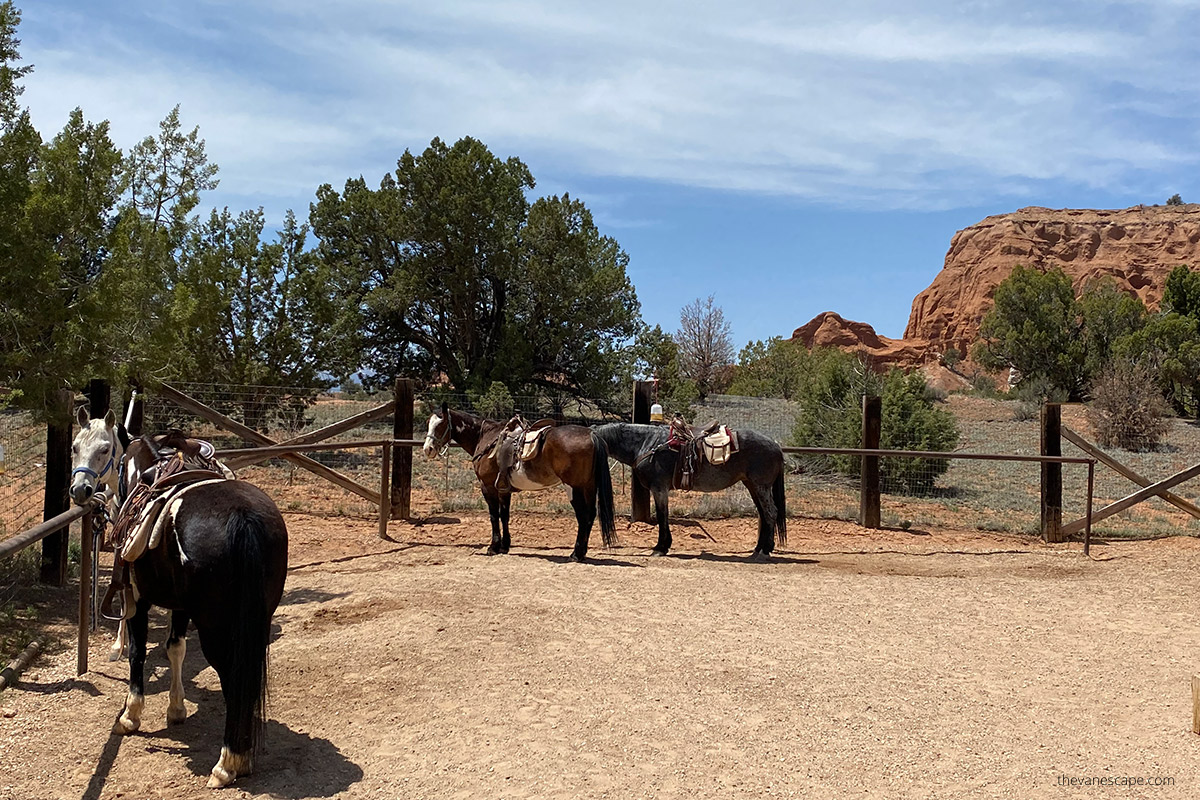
{"points": [[531, 443], [146, 533]]}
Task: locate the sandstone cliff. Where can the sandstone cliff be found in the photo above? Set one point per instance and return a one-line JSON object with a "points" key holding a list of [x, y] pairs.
{"points": [[1137, 247]]}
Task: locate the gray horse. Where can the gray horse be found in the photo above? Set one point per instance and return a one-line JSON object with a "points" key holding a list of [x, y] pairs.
{"points": [[758, 465]]}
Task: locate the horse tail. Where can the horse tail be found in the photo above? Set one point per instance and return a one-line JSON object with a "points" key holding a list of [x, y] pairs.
{"points": [[604, 493], [779, 492], [245, 685]]}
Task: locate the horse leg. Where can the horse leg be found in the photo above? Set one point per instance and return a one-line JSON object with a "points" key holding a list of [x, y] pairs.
{"points": [[176, 650], [236, 746], [505, 505], [493, 504], [584, 503], [120, 645], [764, 501], [131, 716], [662, 515]]}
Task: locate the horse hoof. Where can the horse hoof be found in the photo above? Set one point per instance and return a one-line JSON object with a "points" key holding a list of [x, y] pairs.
{"points": [[228, 767], [494, 551], [176, 715], [125, 726], [760, 556], [577, 559], [114, 655], [657, 552]]}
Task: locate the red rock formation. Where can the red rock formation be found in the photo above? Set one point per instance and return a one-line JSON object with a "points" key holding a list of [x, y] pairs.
{"points": [[1137, 247], [831, 330]]}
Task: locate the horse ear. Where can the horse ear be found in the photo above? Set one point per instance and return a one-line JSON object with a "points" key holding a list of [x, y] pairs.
{"points": [[82, 416], [445, 410], [110, 418], [123, 436]]}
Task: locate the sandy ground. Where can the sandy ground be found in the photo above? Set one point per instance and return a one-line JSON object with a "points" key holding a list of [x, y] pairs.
{"points": [[855, 664]]}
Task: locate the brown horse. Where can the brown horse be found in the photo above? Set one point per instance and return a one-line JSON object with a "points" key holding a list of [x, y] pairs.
{"points": [[570, 455]]}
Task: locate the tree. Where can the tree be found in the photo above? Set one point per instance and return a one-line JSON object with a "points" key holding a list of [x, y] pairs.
{"points": [[161, 181], [1175, 200], [705, 346], [55, 205], [256, 314], [656, 356], [1035, 327], [769, 369], [1107, 315], [573, 308], [447, 272], [424, 264]]}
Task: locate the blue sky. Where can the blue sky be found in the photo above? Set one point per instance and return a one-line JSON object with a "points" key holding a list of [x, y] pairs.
{"points": [[787, 157]]}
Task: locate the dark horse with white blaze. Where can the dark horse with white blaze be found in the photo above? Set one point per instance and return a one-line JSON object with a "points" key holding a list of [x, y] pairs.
{"points": [[757, 464], [221, 562], [571, 455]]}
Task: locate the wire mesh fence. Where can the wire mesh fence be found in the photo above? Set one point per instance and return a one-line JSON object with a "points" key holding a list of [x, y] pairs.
{"points": [[986, 495]]}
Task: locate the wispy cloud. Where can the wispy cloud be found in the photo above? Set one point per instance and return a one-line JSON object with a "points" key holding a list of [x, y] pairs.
{"points": [[851, 104]]}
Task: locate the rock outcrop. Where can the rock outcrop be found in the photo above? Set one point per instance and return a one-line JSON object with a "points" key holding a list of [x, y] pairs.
{"points": [[832, 330], [1137, 247]]}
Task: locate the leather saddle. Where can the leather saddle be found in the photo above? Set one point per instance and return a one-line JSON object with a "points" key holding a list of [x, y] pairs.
{"points": [[713, 443], [518, 441], [179, 464]]}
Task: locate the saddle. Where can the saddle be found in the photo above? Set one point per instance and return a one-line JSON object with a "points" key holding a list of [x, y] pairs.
{"points": [[151, 505], [713, 443], [518, 441]]}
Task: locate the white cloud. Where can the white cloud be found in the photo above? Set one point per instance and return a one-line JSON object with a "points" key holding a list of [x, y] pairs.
{"points": [[848, 104]]}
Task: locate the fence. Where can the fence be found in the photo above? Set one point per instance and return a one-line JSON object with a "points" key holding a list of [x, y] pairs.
{"points": [[1001, 494]]}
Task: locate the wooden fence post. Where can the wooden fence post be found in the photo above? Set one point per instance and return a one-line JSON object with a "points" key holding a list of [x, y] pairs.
{"points": [[99, 395], [1052, 473], [58, 481], [639, 495], [402, 457], [872, 425], [99, 402]]}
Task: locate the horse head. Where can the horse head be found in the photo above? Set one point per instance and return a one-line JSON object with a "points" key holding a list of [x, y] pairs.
{"points": [[96, 456], [438, 433]]}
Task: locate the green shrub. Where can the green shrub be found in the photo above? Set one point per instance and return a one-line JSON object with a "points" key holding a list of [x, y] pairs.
{"points": [[831, 416], [496, 402]]}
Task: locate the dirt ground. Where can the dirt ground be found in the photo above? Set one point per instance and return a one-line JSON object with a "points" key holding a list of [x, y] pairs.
{"points": [[868, 664]]}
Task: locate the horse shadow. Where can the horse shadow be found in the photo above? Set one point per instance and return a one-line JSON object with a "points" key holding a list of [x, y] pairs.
{"points": [[291, 765], [593, 560], [738, 558]]}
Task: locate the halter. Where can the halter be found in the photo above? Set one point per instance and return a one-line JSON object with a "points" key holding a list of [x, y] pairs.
{"points": [[112, 450]]}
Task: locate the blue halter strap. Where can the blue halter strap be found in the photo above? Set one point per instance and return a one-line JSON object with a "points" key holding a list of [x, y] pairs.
{"points": [[107, 467]]}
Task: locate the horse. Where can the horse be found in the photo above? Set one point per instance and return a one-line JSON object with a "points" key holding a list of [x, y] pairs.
{"points": [[757, 464], [97, 453], [571, 455], [221, 563]]}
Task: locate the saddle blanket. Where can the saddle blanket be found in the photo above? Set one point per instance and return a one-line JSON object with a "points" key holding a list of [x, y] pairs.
{"points": [[146, 533], [531, 443]]}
